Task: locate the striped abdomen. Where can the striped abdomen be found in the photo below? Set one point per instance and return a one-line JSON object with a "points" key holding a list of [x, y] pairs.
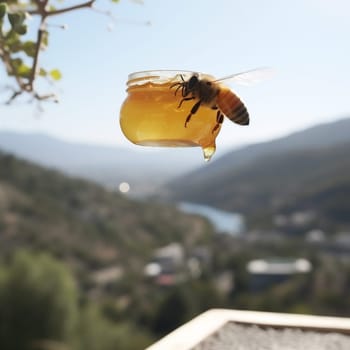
{"points": [[232, 107]]}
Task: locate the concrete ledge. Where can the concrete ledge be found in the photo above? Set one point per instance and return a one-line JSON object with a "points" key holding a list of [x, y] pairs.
{"points": [[201, 327]]}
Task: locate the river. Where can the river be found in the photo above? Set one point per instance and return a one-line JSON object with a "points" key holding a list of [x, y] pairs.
{"points": [[223, 221]]}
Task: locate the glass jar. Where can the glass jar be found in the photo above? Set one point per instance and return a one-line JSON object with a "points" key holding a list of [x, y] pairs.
{"points": [[151, 115]]}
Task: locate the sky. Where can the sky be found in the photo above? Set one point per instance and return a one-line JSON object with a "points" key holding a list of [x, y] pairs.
{"points": [[306, 42]]}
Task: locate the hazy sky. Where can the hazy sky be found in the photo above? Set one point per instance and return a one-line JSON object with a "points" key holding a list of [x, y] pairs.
{"points": [[307, 42]]}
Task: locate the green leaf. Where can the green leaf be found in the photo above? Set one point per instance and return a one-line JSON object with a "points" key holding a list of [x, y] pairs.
{"points": [[11, 37], [55, 74], [42, 72], [17, 22], [115, 1], [3, 10], [29, 47], [24, 71], [51, 8], [21, 30], [16, 62], [16, 19], [14, 44], [20, 68]]}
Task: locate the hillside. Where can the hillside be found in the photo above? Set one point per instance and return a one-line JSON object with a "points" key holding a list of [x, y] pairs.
{"points": [[320, 136], [283, 175], [106, 239], [81, 222], [143, 169]]}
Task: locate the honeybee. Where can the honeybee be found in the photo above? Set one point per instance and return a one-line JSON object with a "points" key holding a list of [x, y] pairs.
{"points": [[213, 95]]}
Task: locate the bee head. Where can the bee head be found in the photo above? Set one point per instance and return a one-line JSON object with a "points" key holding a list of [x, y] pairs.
{"points": [[192, 82]]}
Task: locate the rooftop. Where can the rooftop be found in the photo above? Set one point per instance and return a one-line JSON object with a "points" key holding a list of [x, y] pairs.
{"points": [[249, 330], [279, 266]]}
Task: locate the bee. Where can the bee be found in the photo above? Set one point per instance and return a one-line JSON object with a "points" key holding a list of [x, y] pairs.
{"points": [[212, 94]]}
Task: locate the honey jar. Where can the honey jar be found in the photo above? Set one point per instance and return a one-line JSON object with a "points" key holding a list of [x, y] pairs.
{"points": [[152, 115]]}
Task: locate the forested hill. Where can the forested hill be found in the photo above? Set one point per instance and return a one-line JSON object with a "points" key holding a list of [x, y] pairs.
{"points": [[81, 222], [307, 170]]}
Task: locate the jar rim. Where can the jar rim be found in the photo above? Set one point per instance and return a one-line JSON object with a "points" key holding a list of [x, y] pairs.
{"points": [[161, 75], [157, 72]]}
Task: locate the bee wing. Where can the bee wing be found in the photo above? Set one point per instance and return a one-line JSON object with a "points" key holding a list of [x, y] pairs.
{"points": [[249, 77]]}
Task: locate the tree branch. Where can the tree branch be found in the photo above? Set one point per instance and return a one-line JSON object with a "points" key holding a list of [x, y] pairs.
{"points": [[43, 11], [36, 56], [14, 95], [87, 4], [24, 81]]}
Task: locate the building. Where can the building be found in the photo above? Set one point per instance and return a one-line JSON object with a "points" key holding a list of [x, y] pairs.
{"points": [[267, 272]]}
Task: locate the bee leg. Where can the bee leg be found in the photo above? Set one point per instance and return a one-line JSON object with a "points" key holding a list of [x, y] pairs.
{"points": [[175, 84], [179, 86], [219, 117], [185, 99], [193, 111], [219, 121]]}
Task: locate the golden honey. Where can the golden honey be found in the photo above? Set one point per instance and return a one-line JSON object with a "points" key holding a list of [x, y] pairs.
{"points": [[151, 116]]}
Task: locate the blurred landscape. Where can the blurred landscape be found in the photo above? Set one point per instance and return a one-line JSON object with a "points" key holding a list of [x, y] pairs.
{"points": [[90, 263], [306, 173]]}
